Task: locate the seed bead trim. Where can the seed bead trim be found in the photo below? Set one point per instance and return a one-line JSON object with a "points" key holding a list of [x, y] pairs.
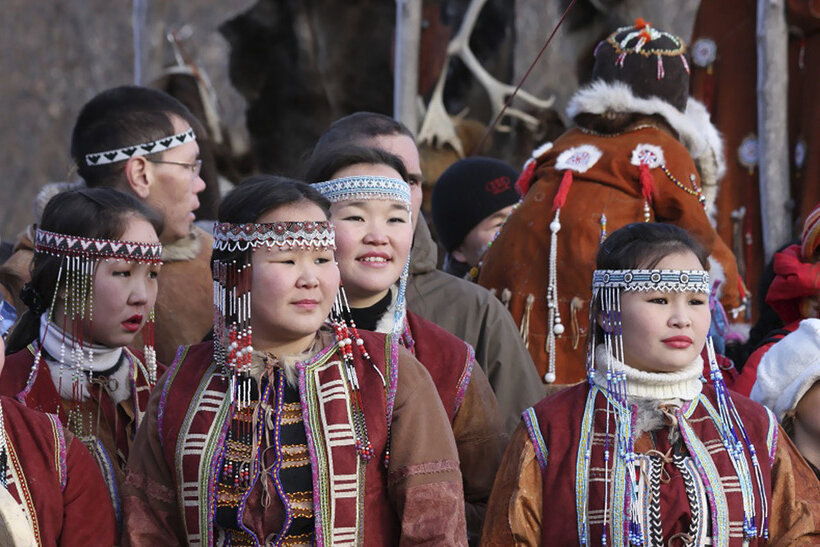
{"points": [[285, 235], [637, 37], [653, 280], [365, 187], [128, 152], [75, 246]]}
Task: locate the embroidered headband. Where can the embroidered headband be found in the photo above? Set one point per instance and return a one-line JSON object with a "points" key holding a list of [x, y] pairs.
{"points": [[638, 36], [365, 187], [128, 152], [285, 235], [75, 246], [653, 280]]}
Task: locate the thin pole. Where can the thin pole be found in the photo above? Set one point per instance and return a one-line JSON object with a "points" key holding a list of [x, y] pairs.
{"points": [[406, 62]]}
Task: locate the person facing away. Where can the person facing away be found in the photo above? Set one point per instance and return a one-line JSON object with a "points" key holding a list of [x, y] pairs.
{"points": [[370, 210], [630, 158], [471, 200], [142, 141], [458, 306], [645, 452], [93, 287], [288, 428]]}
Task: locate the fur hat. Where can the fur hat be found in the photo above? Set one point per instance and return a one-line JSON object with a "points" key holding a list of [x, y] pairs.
{"points": [[651, 62], [789, 369]]}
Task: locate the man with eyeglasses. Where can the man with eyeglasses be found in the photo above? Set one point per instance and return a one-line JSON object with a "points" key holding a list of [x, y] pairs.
{"points": [[143, 141]]}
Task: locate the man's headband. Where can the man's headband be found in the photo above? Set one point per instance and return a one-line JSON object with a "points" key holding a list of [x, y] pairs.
{"points": [[365, 187], [128, 152], [653, 280], [75, 246], [285, 235]]}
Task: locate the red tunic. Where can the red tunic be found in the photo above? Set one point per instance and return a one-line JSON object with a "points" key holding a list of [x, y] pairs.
{"points": [[55, 478]]}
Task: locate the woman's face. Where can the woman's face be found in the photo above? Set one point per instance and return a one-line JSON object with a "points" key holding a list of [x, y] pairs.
{"points": [[665, 331], [292, 290], [124, 292], [373, 239]]}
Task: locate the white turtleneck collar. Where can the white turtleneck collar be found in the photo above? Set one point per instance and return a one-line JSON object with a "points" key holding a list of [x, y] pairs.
{"points": [[684, 384], [95, 358]]}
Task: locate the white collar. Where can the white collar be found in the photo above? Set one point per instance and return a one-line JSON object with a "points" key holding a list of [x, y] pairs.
{"points": [[684, 384]]}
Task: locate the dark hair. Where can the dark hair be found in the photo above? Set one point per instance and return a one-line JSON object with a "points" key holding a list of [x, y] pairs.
{"points": [[257, 195], [323, 166], [120, 117], [356, 128], [101, 213], [641, 245]]}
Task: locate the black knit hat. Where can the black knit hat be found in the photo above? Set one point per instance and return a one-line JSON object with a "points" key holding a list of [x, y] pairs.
{"points": [[651, 62], [466, 193]]}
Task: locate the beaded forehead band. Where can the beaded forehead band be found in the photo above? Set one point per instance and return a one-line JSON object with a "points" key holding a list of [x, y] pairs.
{"points": [[285, 235], [75, 246], [365, 187], [128, 152], [652, 280]]}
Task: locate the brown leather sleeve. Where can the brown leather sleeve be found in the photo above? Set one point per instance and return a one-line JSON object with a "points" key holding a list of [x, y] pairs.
{"points": [[515, 507], [795, 503], [480, 440], [149, 494], [424, 482]]}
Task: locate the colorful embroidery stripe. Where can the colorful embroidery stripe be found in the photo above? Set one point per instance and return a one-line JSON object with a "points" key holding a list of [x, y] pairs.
{"points": [[541, 451], [182, 351], [710, 477], [771, 436], [582, 464], [464, 381]]}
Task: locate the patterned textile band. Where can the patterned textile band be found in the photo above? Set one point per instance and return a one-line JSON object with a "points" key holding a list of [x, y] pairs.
{"points": [[128, 152], [653, 280], [365, 187], [86, 247], [285, 235]]}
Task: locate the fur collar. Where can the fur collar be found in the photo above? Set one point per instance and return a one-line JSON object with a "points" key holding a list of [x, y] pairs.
{"points": [[185, 248], [696, 131], [49, 191], [387, 322]]}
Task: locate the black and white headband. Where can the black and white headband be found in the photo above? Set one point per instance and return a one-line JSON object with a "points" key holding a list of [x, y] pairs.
{"points": [[128, 152]]}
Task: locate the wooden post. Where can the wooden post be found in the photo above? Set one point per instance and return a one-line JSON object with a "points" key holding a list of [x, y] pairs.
{"points": [[772, 124], [406, 62]]}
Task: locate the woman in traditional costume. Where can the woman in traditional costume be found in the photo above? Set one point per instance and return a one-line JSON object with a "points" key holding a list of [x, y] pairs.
{"points": [[93, 287], [370, 209], [287, 429], [645, 452], [50, 486]]}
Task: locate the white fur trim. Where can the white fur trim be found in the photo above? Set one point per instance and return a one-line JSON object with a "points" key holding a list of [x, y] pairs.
{"points": [[649, 154], [387, 321], [697, 133], [541, 150], [578, 158], [789, 369], [49, 191]]}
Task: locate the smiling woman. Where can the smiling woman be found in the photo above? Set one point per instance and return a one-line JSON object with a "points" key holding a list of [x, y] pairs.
{"points": [[287, 423], [93, 287]]}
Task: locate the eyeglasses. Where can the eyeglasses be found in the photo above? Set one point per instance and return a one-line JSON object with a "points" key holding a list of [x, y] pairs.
{"points": [[194, 168]]}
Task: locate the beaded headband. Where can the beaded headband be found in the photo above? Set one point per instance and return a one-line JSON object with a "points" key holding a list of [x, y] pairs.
{"points": [[365, 187], [75, 246], [652, 280], [128, 152], [285, 235]]}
